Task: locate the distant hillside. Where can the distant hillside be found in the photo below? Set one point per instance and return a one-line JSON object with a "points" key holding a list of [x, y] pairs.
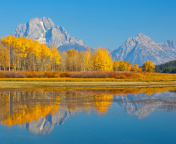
{"points": [[169, 67]]}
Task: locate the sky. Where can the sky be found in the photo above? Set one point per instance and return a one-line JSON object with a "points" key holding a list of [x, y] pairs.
{"points": [[104, 23]]}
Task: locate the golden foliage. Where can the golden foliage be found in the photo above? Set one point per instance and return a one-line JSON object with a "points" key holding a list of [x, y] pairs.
{"points": [[148, 66], [102, 61], [136, 68]]}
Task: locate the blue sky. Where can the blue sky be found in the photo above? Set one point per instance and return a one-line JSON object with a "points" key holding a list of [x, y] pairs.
{"points": [[105, 23]]}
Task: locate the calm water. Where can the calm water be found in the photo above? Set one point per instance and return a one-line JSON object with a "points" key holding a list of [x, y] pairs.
{"points": [[116, 116]]}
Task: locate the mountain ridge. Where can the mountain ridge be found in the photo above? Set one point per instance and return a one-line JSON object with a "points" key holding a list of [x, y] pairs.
{"points": [[142, 48]]}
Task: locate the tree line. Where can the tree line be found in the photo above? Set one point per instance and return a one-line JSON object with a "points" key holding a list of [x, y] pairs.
{"points": [[23, 54], [169, 67]]}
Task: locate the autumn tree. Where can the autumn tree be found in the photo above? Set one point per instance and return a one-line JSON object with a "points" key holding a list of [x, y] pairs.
{"points": [[63, 60], [45, 54], [8, 42], [54, 58], [87, 59], [128, 66], [102, 60], [135, 68], [120, 66], [148, 66], [4, 57]]}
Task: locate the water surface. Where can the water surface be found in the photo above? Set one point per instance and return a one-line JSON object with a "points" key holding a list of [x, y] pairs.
{"points": [[84, 116]]}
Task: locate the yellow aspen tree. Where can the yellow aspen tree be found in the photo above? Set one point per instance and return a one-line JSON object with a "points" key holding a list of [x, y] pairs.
{"points": [[87, 60], [54, 58], [120, 66], [70, 59], [102, 60], [148, 66], [8, 41], [36, 50], [4, 57], [45, 53], [136, 68], [63, 60]]}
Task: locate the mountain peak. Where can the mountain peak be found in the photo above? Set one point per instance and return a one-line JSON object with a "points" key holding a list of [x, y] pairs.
{"points": [[44, 30], [46, 22], [142, 37]]}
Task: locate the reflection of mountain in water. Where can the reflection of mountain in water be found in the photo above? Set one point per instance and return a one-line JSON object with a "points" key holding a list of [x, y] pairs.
{"points": [[46, 125], [143, 105], [39, 111]]}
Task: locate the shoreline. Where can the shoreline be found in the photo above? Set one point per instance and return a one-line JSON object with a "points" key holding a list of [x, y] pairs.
{"points": [[83, 84]]}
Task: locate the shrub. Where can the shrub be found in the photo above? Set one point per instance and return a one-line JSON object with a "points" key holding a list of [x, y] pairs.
{"points": [[52, 74], [121, 77], [65, 74], [34, 74], [14, 75], [91, 74], [2, 75]]}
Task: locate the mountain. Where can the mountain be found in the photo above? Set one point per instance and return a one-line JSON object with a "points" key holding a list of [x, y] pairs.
{"points": [[44, 31], [47, 124], [142, 48], [169, 67], [142, 105]]}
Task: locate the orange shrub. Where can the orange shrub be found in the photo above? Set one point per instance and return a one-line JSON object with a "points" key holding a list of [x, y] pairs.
{"points": [[2, 75], [52, 74], [65, 74], [91, 74]]}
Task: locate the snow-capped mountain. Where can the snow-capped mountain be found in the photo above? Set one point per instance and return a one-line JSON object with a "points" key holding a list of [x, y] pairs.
{"points": [[44, 31], [47, 124], [142, 48]]}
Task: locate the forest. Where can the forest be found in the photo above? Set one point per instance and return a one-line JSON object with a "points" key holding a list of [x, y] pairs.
{"points": [[23, 54], [169, 67]]}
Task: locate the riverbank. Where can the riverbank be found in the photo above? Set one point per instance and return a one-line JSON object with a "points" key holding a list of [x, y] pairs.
{"points": [[81, 84]]}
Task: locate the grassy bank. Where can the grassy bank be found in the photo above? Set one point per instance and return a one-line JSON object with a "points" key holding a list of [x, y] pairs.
{"points": [[85, 84]]}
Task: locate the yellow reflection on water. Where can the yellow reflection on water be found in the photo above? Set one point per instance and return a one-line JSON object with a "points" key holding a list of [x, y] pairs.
{"points": [[24, 106]]}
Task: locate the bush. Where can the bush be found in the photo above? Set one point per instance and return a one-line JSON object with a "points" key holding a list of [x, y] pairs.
{"points": [[65, 74], [14, 75], [121, 77], [34, 74], [91, 74], [2, 75], [52, 74]]}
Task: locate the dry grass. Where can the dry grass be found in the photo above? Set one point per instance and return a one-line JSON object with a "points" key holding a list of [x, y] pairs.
{"points": [[86, 76], [81, 84]]}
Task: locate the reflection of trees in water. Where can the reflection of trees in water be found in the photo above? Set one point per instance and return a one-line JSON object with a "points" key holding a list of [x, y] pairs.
{"points": [[75, 100], [40, 110], [20, 107], [25, 106]]}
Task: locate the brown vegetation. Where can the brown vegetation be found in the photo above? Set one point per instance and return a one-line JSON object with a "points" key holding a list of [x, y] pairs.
{"points": [[95, 75]]}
